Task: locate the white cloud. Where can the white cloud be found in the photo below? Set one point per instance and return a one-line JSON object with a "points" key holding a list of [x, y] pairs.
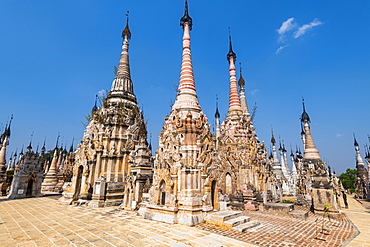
{"points": [[338, 135], [281, 48], [287, 26], [302, 30], [102, 93], [254, 91]]}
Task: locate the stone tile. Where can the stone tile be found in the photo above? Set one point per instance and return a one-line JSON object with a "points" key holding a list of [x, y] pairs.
{"points": [[48, 223]]}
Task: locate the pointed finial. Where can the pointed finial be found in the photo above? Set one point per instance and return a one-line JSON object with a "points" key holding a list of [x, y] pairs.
{"points": [[367, 151], [231, 52], [56, 145], [126, 32], [30, 146], [355, 141], [71, 148], [7, 127], [241, 81], [217, 114], [95, 108], [304, 117], [150, 143], [273, 141], [43, 149], [280, 147], [291, 150], [186, 18]]}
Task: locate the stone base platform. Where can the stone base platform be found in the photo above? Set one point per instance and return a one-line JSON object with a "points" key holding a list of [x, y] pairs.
{"points": [[173, 215], [231, 220], [299, 214], [284, 208]]}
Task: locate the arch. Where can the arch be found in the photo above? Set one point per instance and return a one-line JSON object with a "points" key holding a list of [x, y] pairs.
{"points": [[78, 182], [29, 188], [162, 193], [213, 193], [228, 184], [126, 198]]}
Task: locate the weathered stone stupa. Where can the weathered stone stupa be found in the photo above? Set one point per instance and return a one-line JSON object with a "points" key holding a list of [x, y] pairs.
{"points": [[113, 156], [183, 187], [28, 176], [318, 184], [4, 142], [362, 174], [242, 158], [51, 178]]}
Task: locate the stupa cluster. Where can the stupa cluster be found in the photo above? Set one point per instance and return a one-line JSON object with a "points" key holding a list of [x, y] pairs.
{"points": [[362, 180], [34, 173], [193, 172]]}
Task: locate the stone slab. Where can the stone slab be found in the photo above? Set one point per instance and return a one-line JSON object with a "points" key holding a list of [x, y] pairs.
{"points": [[300, 214]]}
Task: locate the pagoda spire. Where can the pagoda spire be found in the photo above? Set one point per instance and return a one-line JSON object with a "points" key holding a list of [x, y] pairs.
{"points": [[362, 176], [95, 108], [71, 148], [310, 150], [234, 101], [5, 141], [122, 86], [359, 160], [243, 99], [56, 144], [186, 94], [43, 149], [218, 128], [30, 145], [276, 166], [51, 179]]}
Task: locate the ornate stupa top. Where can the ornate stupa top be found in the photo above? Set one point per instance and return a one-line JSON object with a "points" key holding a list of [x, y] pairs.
{"points": [[122, 86], [186, 98], [234, 101]]}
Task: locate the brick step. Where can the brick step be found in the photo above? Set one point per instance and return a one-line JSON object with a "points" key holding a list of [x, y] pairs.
{"points": [[237, 221], [300, 214], [245, 226], [220, 217]]}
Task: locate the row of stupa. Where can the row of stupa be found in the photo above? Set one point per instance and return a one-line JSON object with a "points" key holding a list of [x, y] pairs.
{"points": [[194, 172], [33, 173], [362, 180]]}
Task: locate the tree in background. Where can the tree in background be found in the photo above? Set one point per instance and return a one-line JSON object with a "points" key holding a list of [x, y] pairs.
{"points": [[348, 179]]}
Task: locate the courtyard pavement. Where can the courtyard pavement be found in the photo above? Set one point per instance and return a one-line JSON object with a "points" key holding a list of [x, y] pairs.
{"points": [[283, 230], [360, 216], [43, 222]]}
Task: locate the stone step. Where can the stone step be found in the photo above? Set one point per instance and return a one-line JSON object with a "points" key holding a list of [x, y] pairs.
{"points": [[237, 221], [299, 214], [220, 217], [245, 226]]}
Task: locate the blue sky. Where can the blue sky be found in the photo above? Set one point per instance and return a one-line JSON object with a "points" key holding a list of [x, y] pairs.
{"points": [[55, 56]]}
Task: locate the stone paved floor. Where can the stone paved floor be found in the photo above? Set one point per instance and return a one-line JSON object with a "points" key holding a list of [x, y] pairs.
{"points": [[280, 230], [360, 216], [44, 222]]}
